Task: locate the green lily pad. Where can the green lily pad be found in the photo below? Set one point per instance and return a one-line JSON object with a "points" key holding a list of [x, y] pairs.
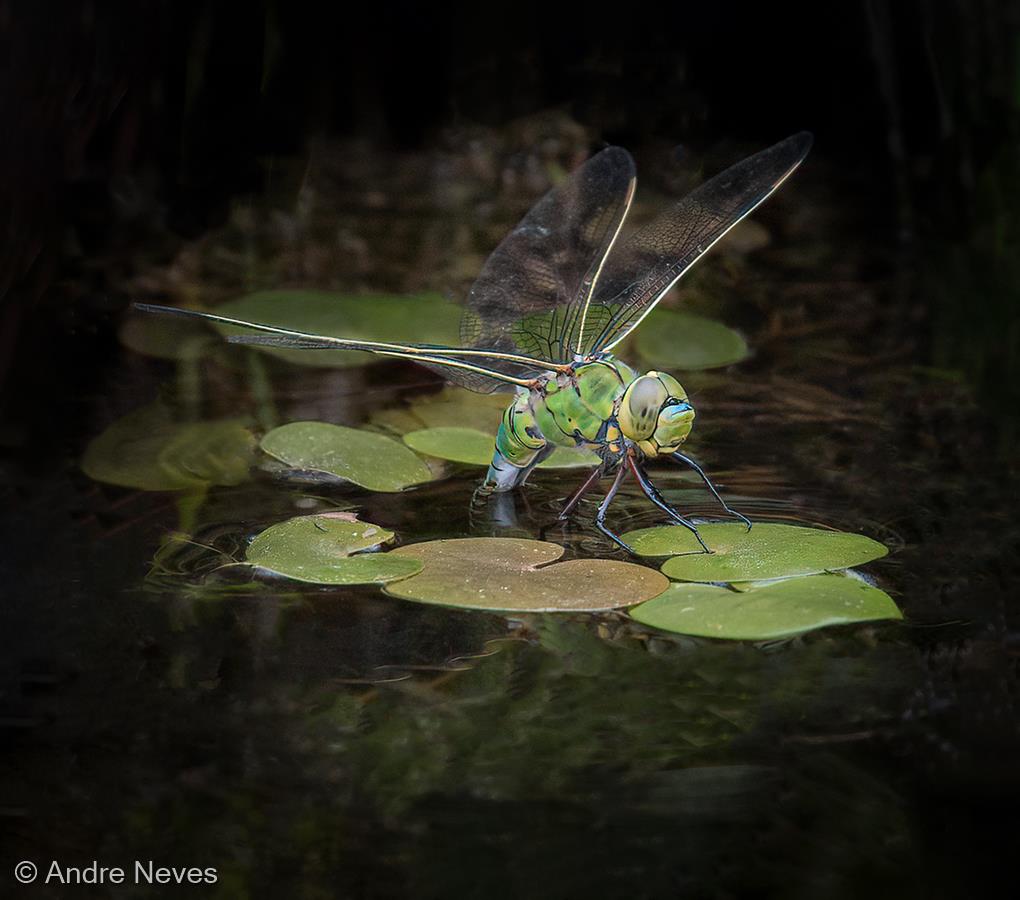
{"points": [[317, 549], [462, 445], [682, 340], [423, 319], [452, 407], [511, 574], [371, 460], [765, 611], [766, 551], [148, 450], [474, 447]]}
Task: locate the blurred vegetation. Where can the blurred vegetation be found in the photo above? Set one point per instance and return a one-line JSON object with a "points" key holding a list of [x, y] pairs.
{"points": [[953, 131]]}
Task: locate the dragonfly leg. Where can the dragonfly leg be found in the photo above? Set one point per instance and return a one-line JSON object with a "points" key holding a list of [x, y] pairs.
{"points": [[592, 478], [686, 459], [652, 493], [600, 516]]}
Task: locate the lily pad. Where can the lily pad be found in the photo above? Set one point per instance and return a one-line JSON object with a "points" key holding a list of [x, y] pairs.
{"points": [[767, 551], [425, 318], [474, 447], [148, 450], [683, 340], [765, 611], [317, 549], [511, 574], [452, 407], [371, 460]]}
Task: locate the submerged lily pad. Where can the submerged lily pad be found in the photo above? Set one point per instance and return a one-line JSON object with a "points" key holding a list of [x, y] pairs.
{"points": [[766, 611], [371, 460], [164, 337], [513, 574], [683, 340], [422, 319], [317, 549], [474, 447], [766, 551], [148, 450]]}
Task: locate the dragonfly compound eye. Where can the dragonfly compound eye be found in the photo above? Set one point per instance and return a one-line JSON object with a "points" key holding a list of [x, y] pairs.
{"points": [[639, 409]]}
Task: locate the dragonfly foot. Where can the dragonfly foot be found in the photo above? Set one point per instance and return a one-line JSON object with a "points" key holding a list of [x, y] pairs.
{"points": [[697, 534], [652, 493], [708, 483], [600, 516], [614, 538]]}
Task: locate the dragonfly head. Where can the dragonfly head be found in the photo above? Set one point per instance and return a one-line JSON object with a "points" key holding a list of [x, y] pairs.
{"points": [[655, 413]]}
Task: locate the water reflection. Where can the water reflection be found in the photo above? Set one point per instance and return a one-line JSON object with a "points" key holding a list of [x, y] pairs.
{"points": [[166, 706]]}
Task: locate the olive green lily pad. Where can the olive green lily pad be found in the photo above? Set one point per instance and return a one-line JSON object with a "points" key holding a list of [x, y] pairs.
{"points": [[148, 450], [371, 460], [317, 549], [474, 447], [452, 407], [767, 551], [768, 610], [682, 340], [511, 574], [423, 319]]}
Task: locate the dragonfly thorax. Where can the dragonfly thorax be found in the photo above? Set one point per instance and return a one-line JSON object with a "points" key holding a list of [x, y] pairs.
{"points": [[655, 414]]}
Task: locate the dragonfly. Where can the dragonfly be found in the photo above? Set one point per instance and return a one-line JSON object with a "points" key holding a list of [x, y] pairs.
{"points": [[550, 304]]}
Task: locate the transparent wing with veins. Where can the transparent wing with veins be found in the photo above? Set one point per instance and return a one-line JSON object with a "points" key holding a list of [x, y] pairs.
{"points": [[528, 299], [644, 266], [458, 364], [532, 292], [554, 289]]}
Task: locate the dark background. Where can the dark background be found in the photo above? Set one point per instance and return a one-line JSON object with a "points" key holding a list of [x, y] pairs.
{"points": [[130, 128], [177, 104]]}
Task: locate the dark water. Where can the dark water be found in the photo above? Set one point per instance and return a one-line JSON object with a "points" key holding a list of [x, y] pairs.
{"points": [[341, 743]]}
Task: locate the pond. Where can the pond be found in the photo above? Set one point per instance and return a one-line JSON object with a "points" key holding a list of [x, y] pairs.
{"points": [[170, 705]]}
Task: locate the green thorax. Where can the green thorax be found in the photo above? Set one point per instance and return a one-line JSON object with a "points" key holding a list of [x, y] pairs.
{"points": [[572, 409], [565, 409]]}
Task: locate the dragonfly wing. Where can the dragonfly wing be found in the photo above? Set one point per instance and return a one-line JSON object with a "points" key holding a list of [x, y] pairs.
{"points": [[649, 262], [477, 378], [475, 373], [476, 369], [532, 291]]}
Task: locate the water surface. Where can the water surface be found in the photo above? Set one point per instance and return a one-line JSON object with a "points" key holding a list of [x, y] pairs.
{"points": [[338, 742]]}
